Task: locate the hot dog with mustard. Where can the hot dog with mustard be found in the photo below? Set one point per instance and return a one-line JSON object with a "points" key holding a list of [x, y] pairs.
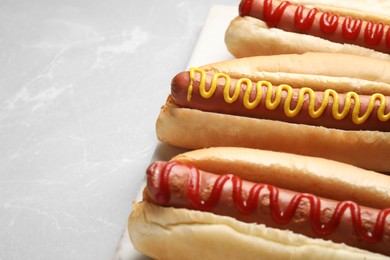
{"points": [[335, 106]]}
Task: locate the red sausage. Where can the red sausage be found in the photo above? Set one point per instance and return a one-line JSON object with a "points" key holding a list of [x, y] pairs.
{"points": [[216, 103], [330, 26], [177, 185]]}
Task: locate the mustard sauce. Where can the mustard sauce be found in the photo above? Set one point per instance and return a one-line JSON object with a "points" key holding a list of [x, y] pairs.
{"points": [[273, 104]]}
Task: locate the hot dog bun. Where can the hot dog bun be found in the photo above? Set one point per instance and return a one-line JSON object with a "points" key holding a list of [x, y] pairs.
{"points": [[170, 233], [248, 36], [334, 180], [193, 128], [320, 71]]}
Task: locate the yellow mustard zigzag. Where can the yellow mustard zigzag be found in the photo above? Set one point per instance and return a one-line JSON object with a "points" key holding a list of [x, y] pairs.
{"points": [[273, 104]]}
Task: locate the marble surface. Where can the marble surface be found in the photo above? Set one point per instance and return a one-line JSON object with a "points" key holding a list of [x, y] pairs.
{"points": [[210, 47], [81, 86]]}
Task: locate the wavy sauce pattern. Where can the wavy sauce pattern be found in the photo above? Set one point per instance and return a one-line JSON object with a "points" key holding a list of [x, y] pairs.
{"points": [[281, 217], [350, 28], [290, 112]]}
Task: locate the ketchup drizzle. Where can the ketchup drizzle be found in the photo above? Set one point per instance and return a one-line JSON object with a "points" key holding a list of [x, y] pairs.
{"points": [[163, 195], [245, 7], [329, 22], [272, 18], [249, 205], [304, 23], [351, 28], [388, 38], [373, 32]]}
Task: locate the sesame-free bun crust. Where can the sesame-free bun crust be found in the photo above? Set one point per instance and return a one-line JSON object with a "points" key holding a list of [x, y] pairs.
{"points": [[319, 71], [247, 36], [333, 180], [194, 129], [169, 233]]}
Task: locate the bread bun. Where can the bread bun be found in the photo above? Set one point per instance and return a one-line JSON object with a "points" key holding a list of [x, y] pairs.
{"points": [[194, 129], [333, 180], [169, 233], [247, 36], [319, 71]]}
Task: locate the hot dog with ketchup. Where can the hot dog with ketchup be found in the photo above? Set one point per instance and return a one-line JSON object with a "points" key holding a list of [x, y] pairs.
{"points": [[266, 27], [334, 106], [186, 202]]}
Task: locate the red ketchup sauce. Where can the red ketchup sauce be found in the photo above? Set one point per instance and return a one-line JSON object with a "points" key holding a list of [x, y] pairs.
{"points": [[373, 32], [248, 206]]}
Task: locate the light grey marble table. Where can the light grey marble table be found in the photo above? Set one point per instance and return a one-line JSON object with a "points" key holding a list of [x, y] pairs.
{"points": [[81, 85]]}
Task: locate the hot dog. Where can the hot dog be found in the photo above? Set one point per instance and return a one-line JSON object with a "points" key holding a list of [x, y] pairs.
{"points": [[259, 100], [266, 27], [283, 103], [214, 180]]}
